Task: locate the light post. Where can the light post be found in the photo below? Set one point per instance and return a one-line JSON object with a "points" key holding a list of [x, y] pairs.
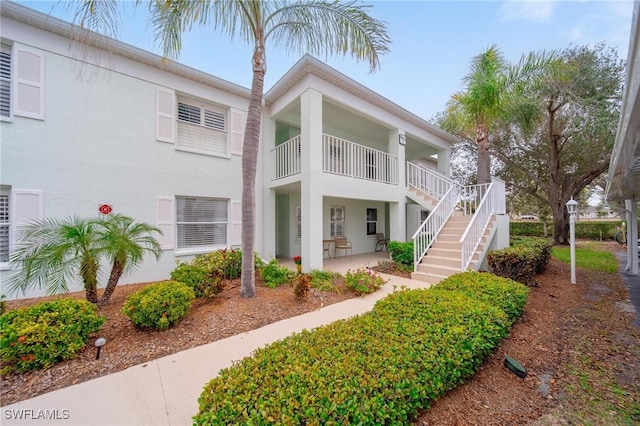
{"points": [[572, 208]]}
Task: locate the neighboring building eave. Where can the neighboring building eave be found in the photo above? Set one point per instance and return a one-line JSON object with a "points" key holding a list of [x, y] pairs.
{"points": [[65, 29], [624, 168], [310, 65]]}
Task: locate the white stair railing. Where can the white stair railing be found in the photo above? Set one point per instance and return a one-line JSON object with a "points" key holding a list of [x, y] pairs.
{"points": [[286, 158], [472, 236], [428, 181], [431, 227]]}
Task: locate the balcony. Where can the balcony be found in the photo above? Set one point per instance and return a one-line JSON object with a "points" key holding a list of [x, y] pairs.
{"points": [[340, 157]]}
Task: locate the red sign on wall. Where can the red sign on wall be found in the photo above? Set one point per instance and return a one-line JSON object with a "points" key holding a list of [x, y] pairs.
{"points": [[105, 209]]}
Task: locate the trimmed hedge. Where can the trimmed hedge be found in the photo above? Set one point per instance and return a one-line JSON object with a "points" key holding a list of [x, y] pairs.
{"points": [[39, 336], [378, 368], [585, 230], [159, 305], [521, 262]]}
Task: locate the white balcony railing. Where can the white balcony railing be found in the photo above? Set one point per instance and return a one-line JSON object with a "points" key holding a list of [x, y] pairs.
{"points": [[286, 158], [347, 158], [428, 181]]}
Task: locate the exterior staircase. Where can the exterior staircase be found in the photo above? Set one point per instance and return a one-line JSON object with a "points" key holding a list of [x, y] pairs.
{"points": [[456, 235]]}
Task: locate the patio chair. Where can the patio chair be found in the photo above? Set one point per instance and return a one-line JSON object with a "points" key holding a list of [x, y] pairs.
{"points": [[341, 243], [382, 242]]}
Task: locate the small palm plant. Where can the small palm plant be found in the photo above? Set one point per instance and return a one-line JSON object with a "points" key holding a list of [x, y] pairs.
{"points": [[53, 251], [124, 242]]}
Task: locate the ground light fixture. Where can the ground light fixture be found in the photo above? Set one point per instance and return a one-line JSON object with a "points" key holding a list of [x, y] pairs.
{"points": [[572, 208], [99, 344]]}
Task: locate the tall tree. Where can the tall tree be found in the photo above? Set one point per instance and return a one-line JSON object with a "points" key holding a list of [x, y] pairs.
{"points": [[493, 94], [578, 99], [314, 26]]}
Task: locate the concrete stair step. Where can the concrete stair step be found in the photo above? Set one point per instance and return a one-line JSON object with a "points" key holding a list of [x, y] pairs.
{"points": [[427, 278], [443, 252], [440, 270], [432, 260]]}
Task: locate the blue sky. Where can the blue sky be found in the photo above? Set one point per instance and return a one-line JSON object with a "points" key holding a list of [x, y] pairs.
{"points": [[432, 42]]}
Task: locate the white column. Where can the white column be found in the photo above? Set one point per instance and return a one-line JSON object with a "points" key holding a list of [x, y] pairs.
{"points": [[444, 161], [311, 165], [632, 236], [397, 210], [266, 213]]}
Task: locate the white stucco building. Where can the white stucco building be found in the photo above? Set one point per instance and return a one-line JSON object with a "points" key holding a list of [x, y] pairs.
{"points": [[162, 142], [623, 185]]}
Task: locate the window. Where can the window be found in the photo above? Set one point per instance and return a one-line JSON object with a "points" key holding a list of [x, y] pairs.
{"points": [[337, 221], [372, 221], [202, 127], [4, 225], [201, 222], [5, 80], [298, 223]]}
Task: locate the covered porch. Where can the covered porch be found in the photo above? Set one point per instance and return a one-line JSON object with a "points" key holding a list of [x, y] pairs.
{"points": [[342, 264]]}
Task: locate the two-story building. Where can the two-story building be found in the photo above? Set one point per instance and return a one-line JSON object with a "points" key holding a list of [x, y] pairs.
{"points": [[112, 125]]}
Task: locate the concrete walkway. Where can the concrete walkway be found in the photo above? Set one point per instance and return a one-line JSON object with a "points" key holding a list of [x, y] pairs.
{"points": [[165, 391]]}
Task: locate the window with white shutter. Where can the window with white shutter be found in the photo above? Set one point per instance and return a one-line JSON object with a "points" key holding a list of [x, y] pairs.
{"points": [[5, 80], [5, 223], [202, 222], [28, 84], [337, 221], [26, 206], [202, 128]]}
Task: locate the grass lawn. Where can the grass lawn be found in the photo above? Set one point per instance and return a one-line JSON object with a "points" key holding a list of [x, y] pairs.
{"points": [[588, 256]]}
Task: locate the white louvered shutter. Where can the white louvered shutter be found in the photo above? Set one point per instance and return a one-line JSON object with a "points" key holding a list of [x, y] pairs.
{"points": [[237, 131], [298, 223], [165, 222], [28, 207], [5, 80], [236, 223], [29, 84], [165, 115]]}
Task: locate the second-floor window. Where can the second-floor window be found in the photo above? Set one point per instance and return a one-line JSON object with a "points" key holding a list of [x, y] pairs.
{"points": [[202, 127]]}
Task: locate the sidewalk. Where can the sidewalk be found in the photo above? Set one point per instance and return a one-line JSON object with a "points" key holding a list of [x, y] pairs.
{"points": [[165, 391]]}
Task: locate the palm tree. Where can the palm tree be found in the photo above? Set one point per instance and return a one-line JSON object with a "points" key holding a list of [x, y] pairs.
{"points": [[53, 251], [125, 243], [314, 26], [495, 91]]}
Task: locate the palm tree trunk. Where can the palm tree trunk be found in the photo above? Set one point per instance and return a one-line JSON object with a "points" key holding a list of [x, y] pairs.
{"points": [[89, 272], [116, 272], [482, 140], [249, 163]]}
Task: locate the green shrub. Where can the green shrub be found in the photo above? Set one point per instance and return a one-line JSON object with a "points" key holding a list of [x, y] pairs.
{"points": [[507, 295], [226, 263], [324, 280], [159, 305], [41, 335], [363, 281], [3, 304], [522, 261], [203, 282], [301, 286], [378, 368], [401, 252], [275, 275]]}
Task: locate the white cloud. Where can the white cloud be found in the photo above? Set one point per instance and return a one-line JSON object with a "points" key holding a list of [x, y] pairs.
{"points": [[538, 11]]}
